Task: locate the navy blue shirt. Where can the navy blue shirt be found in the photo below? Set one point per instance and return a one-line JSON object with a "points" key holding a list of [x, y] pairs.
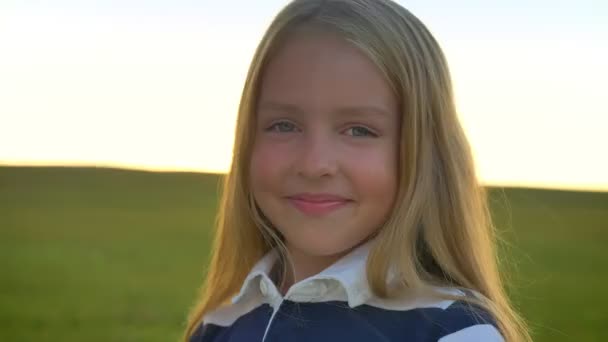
{"points": [[336, 305]]}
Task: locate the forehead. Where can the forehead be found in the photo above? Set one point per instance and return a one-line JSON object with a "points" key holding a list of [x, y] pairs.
{"points": [[321, 70]]}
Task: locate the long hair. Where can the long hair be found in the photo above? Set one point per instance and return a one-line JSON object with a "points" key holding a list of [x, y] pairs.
{"points": [[440, 231]]}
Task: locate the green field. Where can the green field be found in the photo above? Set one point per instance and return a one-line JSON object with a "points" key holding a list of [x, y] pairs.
{"points": [[95, 254]]}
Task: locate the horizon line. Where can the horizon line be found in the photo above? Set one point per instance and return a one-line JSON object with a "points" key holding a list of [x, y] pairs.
{"points": [[128, 167]]}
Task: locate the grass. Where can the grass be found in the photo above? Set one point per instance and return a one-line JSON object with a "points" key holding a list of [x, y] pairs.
{"points": [[114, 255], [559, 247]]}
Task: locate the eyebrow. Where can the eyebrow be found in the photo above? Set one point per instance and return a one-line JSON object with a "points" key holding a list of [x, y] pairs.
{"points": [[291, 108]]}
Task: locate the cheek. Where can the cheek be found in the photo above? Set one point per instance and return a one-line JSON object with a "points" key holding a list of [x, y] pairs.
{"points": [[374, 175], [267, 162]]}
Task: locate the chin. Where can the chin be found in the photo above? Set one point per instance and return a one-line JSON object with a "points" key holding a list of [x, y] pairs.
{"points": [[321, 246]]}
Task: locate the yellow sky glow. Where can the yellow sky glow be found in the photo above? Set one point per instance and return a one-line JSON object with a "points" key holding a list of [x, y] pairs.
{"points": [[78, 91]]}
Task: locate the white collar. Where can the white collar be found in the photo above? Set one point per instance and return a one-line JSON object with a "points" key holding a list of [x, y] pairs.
{"points": [[344, 281]]}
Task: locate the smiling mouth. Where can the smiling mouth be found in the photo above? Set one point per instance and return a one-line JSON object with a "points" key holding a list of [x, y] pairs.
{"points": [[318, 206]]}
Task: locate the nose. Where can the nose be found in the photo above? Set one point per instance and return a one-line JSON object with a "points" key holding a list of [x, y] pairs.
{"points": [[317, 157]]}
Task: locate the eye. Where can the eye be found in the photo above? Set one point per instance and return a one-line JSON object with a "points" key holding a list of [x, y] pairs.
{"points": [[281, 127], [360, 131]]}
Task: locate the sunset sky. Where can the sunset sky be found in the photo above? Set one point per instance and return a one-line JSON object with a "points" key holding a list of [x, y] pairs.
{"points": [[155, 85]]}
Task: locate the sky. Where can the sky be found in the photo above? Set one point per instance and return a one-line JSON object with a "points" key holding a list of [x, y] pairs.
{"points": [[155, 85]]}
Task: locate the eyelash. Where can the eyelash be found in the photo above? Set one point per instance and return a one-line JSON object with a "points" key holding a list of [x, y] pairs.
{"points": [[271, 127], [368, 132]]}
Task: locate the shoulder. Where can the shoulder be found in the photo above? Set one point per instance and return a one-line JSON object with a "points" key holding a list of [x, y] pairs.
{"points": [[463, 321], [204, 332], [435, 318]]}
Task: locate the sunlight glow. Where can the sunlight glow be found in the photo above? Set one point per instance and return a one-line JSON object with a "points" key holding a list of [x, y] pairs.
{"points": [[159, 91]]}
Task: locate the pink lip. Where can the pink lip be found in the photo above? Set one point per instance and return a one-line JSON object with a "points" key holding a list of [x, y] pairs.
{"points": [[317, 204]]}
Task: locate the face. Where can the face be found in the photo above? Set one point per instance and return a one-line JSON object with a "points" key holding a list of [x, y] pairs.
{"points": [[324, 162]]}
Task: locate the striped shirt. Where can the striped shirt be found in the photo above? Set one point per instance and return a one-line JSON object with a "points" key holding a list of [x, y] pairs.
{"points": [[338, 305]]}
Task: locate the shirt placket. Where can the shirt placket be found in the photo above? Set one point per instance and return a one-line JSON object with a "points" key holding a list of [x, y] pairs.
{"points": [[273, 298]]}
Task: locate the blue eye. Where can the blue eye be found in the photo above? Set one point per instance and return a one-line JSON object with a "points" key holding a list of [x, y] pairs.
{"points": [[281, 127], [360, 131]]}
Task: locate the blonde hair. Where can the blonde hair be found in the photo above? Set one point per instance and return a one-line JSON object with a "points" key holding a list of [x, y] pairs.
{"points": [[440, 231]]}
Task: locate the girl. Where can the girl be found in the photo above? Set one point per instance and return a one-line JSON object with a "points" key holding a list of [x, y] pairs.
{"points": [[351, 210]]}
